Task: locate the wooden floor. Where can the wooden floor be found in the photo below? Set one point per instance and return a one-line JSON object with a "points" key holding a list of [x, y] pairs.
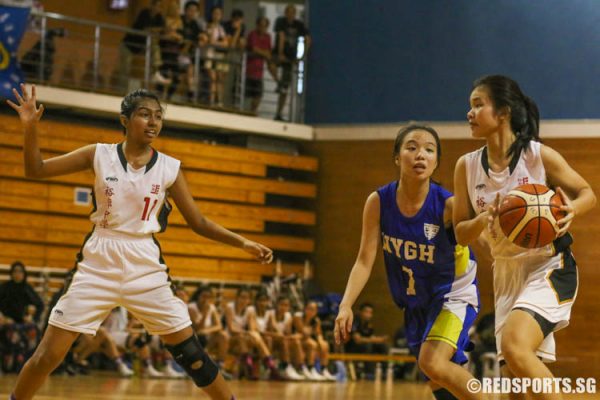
{"points": [[109, 387]]}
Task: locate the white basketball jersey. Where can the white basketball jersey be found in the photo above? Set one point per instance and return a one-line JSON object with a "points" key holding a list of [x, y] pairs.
{"points": [[129, 200], [263, 321], [483, 184], [282, 325], [208, 320], [241, 321]]}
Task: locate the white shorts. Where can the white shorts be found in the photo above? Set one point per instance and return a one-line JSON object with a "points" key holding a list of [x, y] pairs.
{"points": [[544, 285], [120, 270]]}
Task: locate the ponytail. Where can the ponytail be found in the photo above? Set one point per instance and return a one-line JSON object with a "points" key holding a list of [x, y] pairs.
{"points": [[528, 130], [505, 93]]}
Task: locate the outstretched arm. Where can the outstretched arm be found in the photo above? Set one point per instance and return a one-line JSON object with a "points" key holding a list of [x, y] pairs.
{"points": [[35, 166], [205, 227], [361, 271]]}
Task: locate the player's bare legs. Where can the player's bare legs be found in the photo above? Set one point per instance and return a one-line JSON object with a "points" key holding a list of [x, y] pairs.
{"points": [[49, 354], [521, 336], [218, 389], [505, 372], [434, 361]]}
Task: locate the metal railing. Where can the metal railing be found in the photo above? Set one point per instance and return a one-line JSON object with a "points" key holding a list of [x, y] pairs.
{"points": [[92, 56]]}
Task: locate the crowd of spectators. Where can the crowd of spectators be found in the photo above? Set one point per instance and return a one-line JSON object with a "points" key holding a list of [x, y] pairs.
{"points": [[207, 55]]}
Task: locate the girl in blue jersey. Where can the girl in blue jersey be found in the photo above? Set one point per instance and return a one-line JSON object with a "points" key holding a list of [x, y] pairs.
{"points": [[120, 262], [429, 275]]}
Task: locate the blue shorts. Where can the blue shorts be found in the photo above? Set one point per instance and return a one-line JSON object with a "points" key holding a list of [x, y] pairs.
{"points": [[448, 322]]}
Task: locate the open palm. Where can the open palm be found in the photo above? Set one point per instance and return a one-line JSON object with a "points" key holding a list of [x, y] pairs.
{"points": [[27, 108]]}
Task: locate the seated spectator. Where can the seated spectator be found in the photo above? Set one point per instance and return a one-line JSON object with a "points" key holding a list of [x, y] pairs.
{"points": [[241, 324], [216, 66], [206, 322], [17, 295], [288, 344], [129, 335], [309, 325], [152, 21], [363, 339], [21, 307], [103, 342], [259, 51], [287, 30]]}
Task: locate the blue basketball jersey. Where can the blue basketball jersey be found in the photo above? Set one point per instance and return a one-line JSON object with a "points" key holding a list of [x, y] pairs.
{"points": [[424, 264]]}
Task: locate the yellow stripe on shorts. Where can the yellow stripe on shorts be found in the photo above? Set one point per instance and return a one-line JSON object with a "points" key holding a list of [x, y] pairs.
{"points": [[461, 259], [446, 328]]}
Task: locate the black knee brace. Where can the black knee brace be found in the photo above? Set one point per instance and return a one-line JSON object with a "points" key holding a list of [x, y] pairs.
{"points": [[188, 354], [443, 394]]}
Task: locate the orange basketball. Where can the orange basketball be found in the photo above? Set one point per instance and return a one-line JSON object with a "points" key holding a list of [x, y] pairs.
{"points": [[528, 215]]}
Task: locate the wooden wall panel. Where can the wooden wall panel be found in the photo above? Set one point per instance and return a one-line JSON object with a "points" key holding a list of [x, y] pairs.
{"points": [[350, 171]]}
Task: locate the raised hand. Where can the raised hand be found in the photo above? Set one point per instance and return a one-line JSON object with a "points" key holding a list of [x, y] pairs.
{"points": [[565, 223], [260, 252], [29, 112]]}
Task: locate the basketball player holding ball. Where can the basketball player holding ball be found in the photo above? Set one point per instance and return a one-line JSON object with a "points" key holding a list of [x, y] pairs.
{"points": [[534, 288], [120, 262]]}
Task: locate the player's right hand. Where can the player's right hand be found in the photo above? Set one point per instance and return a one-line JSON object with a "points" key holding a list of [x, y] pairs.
{"points": [[343, 325], [29, 112]]}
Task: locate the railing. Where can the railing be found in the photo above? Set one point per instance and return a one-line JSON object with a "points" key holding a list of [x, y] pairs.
{"points": [[91, 56]]}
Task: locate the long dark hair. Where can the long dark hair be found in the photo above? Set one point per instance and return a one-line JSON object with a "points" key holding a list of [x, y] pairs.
{"points": [[416, 127], [524, 114]]}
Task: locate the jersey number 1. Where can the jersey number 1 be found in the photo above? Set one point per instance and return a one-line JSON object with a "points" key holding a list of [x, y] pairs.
{"points": [[410, 290], [146, 213]]}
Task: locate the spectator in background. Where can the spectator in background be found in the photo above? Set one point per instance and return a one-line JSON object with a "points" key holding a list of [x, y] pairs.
{"points": [[287, 30], [236, 31], [152, 21], [193, 36], [101, 342], [309, 325], [363, 338], [218, 42], [206, 321], [241, 323], [22, 308], [17, 295], [171, 43], [259, 51]]}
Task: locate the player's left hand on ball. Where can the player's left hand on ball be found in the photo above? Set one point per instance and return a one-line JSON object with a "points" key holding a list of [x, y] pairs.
{"points": [[262, 253], [565, 223], [493, 210]]}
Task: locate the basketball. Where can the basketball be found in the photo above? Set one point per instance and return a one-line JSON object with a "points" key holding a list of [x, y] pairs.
{"points": [[528, 215]]}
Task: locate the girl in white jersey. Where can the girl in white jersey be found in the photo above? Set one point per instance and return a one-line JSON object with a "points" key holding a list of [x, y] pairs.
{"points": [[534, 289], [240, 318], [206, 321], [120, 262]]}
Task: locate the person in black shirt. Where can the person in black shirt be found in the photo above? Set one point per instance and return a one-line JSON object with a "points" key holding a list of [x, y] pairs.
{"points": [[151, 20], [194, 35], [363, 339], [22, 308], [287, 32]]}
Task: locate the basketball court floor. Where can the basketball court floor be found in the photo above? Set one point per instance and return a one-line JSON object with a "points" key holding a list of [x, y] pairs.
{"points": [[104, 387]]}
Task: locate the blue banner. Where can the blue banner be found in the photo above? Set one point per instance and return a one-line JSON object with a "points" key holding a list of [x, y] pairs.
{"points": [[13, 22]]}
